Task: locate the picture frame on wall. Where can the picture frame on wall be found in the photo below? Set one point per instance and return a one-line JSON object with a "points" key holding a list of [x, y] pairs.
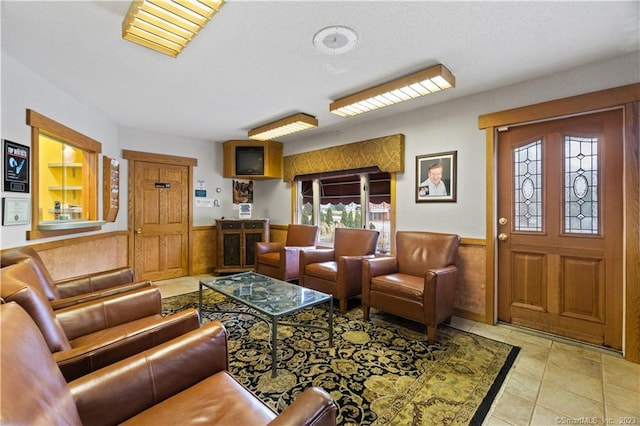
{"points": [[16, 211], [436, 177], [16, 167], [244, 211]]}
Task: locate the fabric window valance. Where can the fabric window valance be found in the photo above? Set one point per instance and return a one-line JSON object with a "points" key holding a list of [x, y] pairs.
{"points": [[386, 153]]}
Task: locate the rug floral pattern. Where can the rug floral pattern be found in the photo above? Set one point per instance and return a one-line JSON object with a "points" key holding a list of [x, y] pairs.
{"points": [[380, 372]]}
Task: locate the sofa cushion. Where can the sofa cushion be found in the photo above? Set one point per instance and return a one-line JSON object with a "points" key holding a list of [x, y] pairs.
{"points": [[405, 286], [325, 270], [271, 258], [219, 399]]}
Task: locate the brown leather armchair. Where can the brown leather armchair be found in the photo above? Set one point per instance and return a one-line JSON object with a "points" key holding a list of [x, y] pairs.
{"points": [[74, 290], [280, 260], [90, 335], [183, 381], [338, 271], [419, 283]]}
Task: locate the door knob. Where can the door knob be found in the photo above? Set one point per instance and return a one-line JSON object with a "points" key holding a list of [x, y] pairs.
{"points": [[503, 237], [502, 221], [138, 230]]}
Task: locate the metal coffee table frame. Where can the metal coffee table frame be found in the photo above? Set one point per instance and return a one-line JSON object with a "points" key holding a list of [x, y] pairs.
{"points": [[272, 299]]}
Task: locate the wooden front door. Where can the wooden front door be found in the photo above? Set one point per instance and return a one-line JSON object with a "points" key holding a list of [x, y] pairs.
{"points": [[560, 227], [161, 220]]}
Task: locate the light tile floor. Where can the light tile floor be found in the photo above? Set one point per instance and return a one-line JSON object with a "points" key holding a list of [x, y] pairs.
{"points": [[553, 382]]}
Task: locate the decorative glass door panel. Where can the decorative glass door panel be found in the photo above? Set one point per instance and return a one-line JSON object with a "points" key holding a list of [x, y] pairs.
{"points": [[559, 249]]}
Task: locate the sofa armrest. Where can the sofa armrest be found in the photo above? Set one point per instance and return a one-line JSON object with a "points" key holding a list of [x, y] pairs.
{"points": [[380, 266], [316, 256], [126, 388], [88, 317], [267, 247], [314, 407], [86, 297], [118, 344], [94, 282], [442, 276], [440, 285], [350, 273], [292, 254], [373, 267]]}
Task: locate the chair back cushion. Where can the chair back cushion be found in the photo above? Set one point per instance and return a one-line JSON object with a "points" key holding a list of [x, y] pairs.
{"points": [[33, 390], [354, 242], [27, 254], [419, 251], [17, 287], [301, 235]]}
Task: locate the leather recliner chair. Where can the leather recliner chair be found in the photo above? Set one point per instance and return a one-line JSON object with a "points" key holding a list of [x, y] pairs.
{"points": [[90, 335], [338, 271], [419, 283], [75, 290], [183, 381], [280, 260]]}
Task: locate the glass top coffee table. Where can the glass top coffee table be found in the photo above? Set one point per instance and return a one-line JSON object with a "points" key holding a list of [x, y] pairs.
{"points": [[269, 299]]}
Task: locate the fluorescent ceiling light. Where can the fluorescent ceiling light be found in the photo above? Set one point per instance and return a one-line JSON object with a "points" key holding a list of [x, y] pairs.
{"points": [[167, 26], [285, 126], [409, 87]]}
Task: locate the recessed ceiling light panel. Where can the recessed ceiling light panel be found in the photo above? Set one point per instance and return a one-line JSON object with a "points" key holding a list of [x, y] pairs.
{"points": [[335, 40]]}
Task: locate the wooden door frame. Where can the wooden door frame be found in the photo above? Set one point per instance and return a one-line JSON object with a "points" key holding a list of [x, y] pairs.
{"points": [[132, 157], [626, 98]]}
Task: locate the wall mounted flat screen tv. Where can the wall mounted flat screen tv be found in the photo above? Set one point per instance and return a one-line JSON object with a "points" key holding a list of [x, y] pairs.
{"points": [[249, 160]]}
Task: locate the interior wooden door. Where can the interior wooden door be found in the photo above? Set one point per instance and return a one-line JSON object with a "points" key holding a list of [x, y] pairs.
{"points": [[560, 227], [161, 220]]}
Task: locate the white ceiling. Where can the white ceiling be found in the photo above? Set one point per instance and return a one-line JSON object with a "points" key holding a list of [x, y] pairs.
{"points": [[255, 61]]}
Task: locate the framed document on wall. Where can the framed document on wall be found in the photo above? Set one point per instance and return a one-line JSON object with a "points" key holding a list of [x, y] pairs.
{"points": [[15, 211]]}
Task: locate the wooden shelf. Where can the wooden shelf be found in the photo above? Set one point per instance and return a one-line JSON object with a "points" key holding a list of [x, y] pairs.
{"points": [[273, 161], [65, 188], [69, 165]]}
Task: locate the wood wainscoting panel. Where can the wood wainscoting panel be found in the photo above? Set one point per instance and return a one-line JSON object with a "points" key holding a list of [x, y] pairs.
{"points": [[203, 250], [472, 280], [85, 255]]}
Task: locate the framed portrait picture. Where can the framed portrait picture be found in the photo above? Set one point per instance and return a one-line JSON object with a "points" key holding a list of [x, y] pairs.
{"points": [[436, 177], [16, 167]]}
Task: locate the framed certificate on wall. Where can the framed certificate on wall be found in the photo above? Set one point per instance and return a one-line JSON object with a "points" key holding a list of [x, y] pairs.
{"points": [[15, 211]]}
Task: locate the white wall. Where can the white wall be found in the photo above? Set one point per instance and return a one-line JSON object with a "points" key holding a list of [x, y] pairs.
{"points": [[24, 89], [208, 171], [453, 126], [443, 127]]}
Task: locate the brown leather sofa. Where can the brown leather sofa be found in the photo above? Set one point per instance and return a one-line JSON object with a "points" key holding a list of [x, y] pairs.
{"points": [[338, 271], [280, 260], [419, 283], [74, 290], [90, 335], [183, 381]]}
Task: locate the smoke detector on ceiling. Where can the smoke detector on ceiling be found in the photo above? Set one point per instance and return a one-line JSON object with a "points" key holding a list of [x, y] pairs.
{"points": [[335, 40]]}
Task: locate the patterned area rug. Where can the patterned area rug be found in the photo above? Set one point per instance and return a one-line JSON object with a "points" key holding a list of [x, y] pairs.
{"points": [[381, 372]]}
